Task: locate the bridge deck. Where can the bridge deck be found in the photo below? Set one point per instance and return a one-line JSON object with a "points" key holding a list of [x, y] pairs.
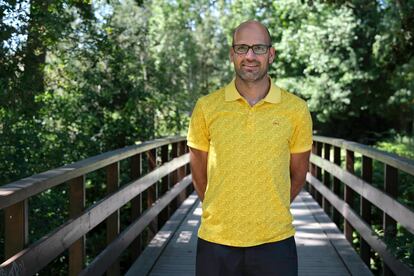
{"points": [[322, 248]]}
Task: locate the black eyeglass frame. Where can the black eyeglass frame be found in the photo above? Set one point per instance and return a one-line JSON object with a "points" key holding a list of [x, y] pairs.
{"points": [[251, 47]]}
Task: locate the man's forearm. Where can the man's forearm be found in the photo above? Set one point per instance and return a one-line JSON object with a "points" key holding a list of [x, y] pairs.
{"points": [[198, 163], [296, 185], [299, 164]]}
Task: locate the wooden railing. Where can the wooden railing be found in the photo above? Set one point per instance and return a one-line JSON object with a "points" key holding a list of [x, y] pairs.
{"points": [[164, 187], [326, 178]]}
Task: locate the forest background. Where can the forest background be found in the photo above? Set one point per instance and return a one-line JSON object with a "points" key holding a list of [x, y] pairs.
{"points": [[78, 78]]}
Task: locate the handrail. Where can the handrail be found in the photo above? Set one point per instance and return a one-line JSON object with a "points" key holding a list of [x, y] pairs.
{"points": [[401, 163], [319, 185], [386, 203], [32, 185], [29, 259]]}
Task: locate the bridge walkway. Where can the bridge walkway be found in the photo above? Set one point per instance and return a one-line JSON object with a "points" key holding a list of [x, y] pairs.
{"points": [[322, 248]]}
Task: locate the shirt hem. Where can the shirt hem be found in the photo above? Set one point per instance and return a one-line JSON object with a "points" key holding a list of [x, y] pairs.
{"points": [[248, 244], [196, 146], [299, 150]]}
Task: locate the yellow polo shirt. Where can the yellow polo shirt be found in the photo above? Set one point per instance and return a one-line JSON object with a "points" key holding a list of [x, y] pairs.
{"points": [[247, 201]]}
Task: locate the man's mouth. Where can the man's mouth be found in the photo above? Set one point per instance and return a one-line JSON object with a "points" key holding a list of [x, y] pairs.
{"points": [[250, 65]]}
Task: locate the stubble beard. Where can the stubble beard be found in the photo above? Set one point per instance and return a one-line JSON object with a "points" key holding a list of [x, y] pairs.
{"points": [[251, 76]]}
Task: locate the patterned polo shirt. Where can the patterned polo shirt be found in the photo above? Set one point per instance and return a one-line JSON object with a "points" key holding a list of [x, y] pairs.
{"points": [[247, 200]]}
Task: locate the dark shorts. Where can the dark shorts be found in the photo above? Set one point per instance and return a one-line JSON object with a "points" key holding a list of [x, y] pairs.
{"points": [[275, 258]]}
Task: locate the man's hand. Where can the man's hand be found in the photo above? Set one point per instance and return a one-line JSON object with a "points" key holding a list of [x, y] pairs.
{"points": [[299, 165], [198, 163]]}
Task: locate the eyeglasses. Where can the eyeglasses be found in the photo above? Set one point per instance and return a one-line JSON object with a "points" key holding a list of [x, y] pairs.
{"points": [[258, 49]]}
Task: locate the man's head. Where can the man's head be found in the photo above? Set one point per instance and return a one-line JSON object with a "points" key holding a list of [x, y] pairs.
{"points": [[251, 66]]}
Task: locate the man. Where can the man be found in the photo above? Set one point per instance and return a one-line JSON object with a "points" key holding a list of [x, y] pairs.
{"points": [[249, 151]]}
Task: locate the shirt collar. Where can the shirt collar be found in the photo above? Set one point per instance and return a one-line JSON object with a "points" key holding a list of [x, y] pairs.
{"points": [[274, 95]]}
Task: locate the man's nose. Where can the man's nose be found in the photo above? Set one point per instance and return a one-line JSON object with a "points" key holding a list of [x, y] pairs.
{"points": [[250, 54]]}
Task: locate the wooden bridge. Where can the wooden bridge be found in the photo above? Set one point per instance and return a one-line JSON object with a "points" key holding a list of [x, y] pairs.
{"points": [[158, 236]]}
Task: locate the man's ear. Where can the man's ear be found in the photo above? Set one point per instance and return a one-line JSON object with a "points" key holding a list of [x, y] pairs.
{"points": [[272, 54]]}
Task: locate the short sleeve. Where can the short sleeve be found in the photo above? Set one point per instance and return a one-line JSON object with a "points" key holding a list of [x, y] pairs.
{"points": [[301, 139], [198, 136]]}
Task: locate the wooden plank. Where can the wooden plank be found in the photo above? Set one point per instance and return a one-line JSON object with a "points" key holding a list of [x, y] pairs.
{"points": [[16, 234], [29, 186], [354, 265], [76, 207], [398, 162], [152, 194], [336, 184], [153, 251], [318, 170], [136, 205], [326, 177], [316, 253], [386, 203], [115, 249], [362, 227], [163, 217], [112, 222], [349, 194], [40, 253], [174, 175], [366, 208], [181, 172], [389, 224]]}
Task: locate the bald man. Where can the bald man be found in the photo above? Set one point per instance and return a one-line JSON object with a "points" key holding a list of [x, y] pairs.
{"points": [[249, 152]]}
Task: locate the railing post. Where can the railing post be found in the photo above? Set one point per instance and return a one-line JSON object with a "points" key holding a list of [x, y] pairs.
{"points": [[181, 172], [336, 217], [136, 205], [163, 216], [349, 194], [313, 171], [16, 233], [318, 172], [174, 176], [389, 224], [365, 206], [112, 222], [326, 178], [76, 207], [152, 194]]}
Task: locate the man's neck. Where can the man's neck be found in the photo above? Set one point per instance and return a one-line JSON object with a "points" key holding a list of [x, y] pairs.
{"points": [[253, 92]]}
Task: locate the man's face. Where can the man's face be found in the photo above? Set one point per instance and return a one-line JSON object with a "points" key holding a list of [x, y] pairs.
{"points": [[251, 67]]}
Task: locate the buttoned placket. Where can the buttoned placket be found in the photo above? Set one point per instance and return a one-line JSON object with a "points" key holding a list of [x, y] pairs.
{"points": [[251, 113]]}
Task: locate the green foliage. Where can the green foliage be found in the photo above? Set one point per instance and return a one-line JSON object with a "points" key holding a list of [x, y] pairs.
{"points": [[78, 78]]}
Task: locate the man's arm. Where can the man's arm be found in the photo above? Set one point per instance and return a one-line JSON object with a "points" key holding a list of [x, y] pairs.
{"points": [[299, 165], [198, 163]]}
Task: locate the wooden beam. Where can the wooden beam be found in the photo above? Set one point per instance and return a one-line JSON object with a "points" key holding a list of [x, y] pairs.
{"points": [[112, 222], [326, 177], [337, 185], [181, 172], [398, 162], [383, 201], [389, 224], [349, 194], [365, 209], [76, 206], [40, 253], [164, 215], [16, 234], [115, 249], [136, 205], [363, 228], [30, 186], [152, 194]]}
